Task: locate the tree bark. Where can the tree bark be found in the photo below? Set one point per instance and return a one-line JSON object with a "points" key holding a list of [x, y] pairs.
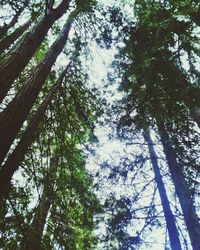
{"points": [[169, 217], [16, 157], [10, 39], [21, 55], [13, 116], [182, 189]]}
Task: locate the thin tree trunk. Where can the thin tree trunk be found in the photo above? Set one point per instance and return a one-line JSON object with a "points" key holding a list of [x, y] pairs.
{"points": [[182, 189], [26, 49], [35, 233], [169, 217], [16, 157], [10, 39], [12, 118], [6, 27]]}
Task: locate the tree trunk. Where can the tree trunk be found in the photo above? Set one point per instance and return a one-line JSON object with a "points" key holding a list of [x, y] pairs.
{"points": [[35, 232], [169, 217], [16, 157], [10, 39], [182, 189], [34, 236], [21, 55], [19, 108]]}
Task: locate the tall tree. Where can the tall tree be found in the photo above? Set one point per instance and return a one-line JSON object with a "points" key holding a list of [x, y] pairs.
{"points": [[25, 99], [163, 37], [169, 217], [67, 214], [183, 191], [159, 89], [15, 158], [27, 47]]}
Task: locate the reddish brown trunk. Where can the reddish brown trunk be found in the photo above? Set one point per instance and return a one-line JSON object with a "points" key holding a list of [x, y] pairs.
{"points": [[13, 161], [169, 217], [182, 190], [12, 118], [24, 52], [10, 39]]}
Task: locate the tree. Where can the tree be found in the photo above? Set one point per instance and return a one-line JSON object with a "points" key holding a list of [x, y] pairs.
{"points": [[29, 93], [183, 190], [64, 213], [27, 47], [159, 90], [169, 217], [13, 161], [71, 126]]}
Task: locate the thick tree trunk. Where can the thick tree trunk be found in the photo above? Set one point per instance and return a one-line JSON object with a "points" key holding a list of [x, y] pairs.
{"points": [[26, 49], [169, 217], [16, 157], [12, 118], [10, 39], [182, 189]]}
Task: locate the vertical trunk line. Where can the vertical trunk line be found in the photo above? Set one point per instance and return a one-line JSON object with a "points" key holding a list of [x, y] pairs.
{"points": [[16, 157], [35, 232], [26, 49], [182, 190], [19, 108], [169, 217]]}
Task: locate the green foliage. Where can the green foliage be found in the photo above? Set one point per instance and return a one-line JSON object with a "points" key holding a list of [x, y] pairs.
{"points": [[86, 5], [154, 72], [55, 188]]}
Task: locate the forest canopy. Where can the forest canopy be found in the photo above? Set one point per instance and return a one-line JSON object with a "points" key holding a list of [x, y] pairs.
{"points": [[99, 124]]}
